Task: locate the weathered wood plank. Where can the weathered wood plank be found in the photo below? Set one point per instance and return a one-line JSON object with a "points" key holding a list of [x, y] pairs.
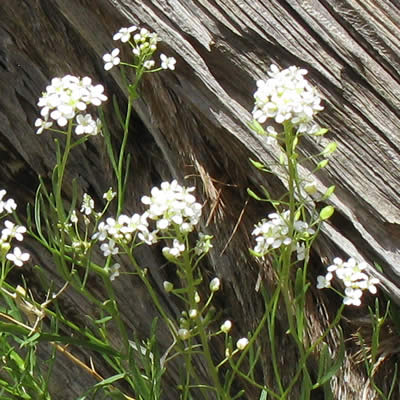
{"points": [[193, 122]]}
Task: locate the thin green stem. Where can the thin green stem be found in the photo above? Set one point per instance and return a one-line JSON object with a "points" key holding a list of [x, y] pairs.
{"points": [[121, 158]]}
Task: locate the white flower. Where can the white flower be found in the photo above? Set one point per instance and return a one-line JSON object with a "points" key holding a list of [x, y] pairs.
{"points": [[337, 266], [111, 59], [167, 62], [87, 125], [124, 34], [18, 257], [94, 95], [114, 271], [101, 233], [74, 217], [8, 205], [215, 284], [324, 281], [242, 343], [371, 284], [109, 248], [352, 296], [12, 231], [303, 227], [42, 125], [148, 237], [149, 64], [193, 313], [87, 204], [175, 251], [142, 36], [109, 195], [301, 251], [226, 326]]}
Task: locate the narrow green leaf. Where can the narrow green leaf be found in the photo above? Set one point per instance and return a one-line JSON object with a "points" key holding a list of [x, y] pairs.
{"points": [[103, 320], [253, 195], [334, 368], [257, 164], [328, 192]]}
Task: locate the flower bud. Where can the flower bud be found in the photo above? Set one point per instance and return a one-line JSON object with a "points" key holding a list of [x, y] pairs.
{"points": [[311, 187], [242, 343], [183, 334], [197, 297], [193, 313], [215, 285], [168, 286], [109, 195], [226, 326]]}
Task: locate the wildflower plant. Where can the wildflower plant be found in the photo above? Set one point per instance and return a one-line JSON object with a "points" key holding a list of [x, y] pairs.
{"points": [[87, 239], [288, 104]]}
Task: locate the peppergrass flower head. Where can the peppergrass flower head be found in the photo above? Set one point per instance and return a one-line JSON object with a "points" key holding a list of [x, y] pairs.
{"points": [[123, 229], [287, 96], [65, 99], [271, 233], [172, 205], [145, 43], [354, 277], [111, 59]]}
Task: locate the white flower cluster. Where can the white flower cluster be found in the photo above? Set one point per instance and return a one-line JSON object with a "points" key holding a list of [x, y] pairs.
{"points": [[354, 278], [68, 98], [273, 232], [287, 96], [173, 205], [122, 230], [10, 232], [143, 43]]}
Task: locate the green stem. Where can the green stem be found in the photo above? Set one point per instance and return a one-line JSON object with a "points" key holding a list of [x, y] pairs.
{"points": [[188, 274], [121, 172]]}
